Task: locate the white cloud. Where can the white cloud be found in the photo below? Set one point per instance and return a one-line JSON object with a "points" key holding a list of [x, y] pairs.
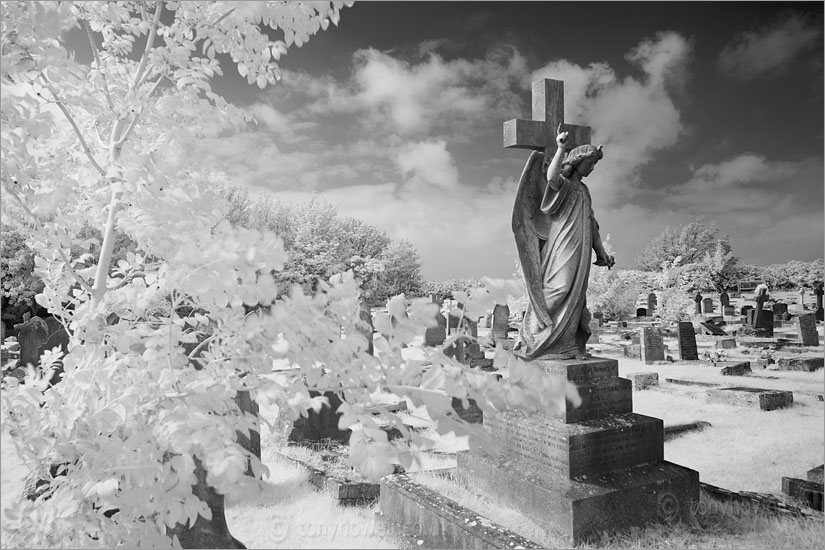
{"points": [[428, 163], [766, 51], [632, 118]]}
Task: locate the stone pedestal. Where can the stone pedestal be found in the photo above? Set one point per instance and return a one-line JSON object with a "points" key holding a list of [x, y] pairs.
{"points": [[592, 469]]}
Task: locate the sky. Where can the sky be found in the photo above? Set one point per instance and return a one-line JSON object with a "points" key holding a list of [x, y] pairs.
{"points": [[709, 110]]}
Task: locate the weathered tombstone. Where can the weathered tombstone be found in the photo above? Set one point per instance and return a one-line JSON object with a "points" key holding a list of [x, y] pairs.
{"points": [[435, 336], [724, 298], [501, 322], [322, 424], [653, 348], [802, 297], [818, 290], [652, 302], [779, 309], [468, 326], [734, 368], [643, 380], [697, 298], [728, 311], [599, 316], [806, 329], [745, 309], [641, 312], [760, 297], [707, 305], [594, 331], [686, 338], [809, 492], [32, 336]]}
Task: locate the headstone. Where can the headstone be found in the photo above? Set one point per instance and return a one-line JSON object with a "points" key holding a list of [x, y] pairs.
{"points": [[652, 302], [686, 339], [32, 336], [764, 399], [724, 298], [594, 332], [697, 298], [745, 309], [726, 343], [653, 348], [641, 312], [818, 290], [501, 322], [802, 297], [643, 380], [728, 311], [435, 336], [806, 329], [322, 424], [779, 309], [707, 305], [816, 474], [468, 326], [599, 316], [809, 492]]}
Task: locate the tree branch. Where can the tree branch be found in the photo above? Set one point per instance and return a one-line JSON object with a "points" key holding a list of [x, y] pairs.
{"points": [[99, 64], [150, 41], [74, 125], [132, 124]]}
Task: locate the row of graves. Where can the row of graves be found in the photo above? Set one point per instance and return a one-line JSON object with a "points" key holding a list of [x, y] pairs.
{"points": [[598, 468], [595, 469]]}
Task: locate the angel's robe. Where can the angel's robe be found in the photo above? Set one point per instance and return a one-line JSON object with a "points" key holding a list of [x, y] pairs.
{"points": [[554, 237]]}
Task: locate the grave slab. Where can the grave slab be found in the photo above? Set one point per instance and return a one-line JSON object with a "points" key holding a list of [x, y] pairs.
{"points": [[643, 380], [734, 368], [439, 522], [816, 474], [806, 364], [764, 399]]}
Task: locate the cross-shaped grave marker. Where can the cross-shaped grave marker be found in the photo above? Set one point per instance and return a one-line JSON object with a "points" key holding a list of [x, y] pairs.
{"points": [[548, 112]]}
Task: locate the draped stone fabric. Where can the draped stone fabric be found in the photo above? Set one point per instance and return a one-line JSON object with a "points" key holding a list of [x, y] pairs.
{"points": [[554, 235]]}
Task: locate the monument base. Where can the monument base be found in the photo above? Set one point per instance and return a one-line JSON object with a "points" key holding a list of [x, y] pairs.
{"points": [[585, 507]]}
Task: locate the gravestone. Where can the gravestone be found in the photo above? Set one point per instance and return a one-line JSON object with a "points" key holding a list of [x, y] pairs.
{"points": [[728, 311], [697, 298], [707, 305], [501, 322], [599, 316], [734, 368], [322, 424], [745, 309], [779, 309], [724, 298], [641, 312], [809, 492], [643, 380], [32, 336], [468, 326], [435, 336], [594, 332], [818, 290], [652, 302], [806, 329], [686, 338], [653, 348], [803, 363]]}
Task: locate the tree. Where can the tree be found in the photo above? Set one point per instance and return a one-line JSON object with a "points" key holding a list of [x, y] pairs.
{"points": [[20, 286], [401, 273], [690, 243], [136, 420], [612, 293]]}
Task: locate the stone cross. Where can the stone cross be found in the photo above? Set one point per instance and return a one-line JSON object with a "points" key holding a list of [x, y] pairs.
{"points": [[698, 299], [540, 133]]}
